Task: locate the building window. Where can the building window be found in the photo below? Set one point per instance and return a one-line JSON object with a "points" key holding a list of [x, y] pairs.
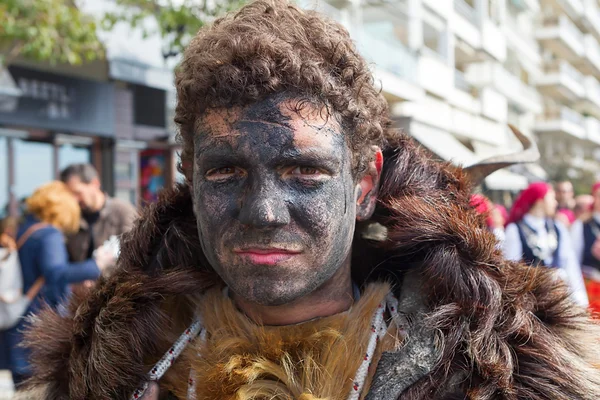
{"points": [[494, 11], [435, 33], [69, 154], [34, 166], [4, 189]]}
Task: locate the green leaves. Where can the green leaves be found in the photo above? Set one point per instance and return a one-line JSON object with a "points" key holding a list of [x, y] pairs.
{"points": [[56, 31], [47, 30], [177, 21]]}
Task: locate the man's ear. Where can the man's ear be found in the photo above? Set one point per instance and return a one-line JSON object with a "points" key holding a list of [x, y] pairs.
{"points": [[368, 187], [96, 183]]}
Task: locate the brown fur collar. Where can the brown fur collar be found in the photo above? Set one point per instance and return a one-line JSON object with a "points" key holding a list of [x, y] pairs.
{"points": [[241, 360], [506, 331]]}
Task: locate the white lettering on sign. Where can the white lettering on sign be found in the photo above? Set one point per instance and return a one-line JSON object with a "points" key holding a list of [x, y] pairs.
{"points": [[58, 97]]}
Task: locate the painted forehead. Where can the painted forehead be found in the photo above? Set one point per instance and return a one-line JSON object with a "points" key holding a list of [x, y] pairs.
{"points": [[309, 124]]}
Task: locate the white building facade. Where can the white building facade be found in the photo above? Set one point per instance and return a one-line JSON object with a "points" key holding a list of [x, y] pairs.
{"points": [[456, 72]]}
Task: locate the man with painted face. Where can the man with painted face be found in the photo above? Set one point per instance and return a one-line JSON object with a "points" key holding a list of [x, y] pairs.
{"points": [[312, 253]]}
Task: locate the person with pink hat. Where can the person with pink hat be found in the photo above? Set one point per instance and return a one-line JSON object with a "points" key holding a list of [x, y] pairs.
{"points": [[534, 237], [585, 235], [495, 220]]}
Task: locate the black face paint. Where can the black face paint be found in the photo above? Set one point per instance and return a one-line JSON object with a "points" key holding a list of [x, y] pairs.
{"points": [[272, 228]]}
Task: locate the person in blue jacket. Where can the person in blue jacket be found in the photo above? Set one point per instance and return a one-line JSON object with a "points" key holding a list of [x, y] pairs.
{"points": [[52, 211]]}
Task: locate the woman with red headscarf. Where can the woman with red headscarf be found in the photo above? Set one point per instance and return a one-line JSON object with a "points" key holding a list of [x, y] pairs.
{"points": [[586, 242], [534, 237]]}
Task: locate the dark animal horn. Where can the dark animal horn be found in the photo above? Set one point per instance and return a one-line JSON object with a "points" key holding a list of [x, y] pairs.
{"points": [[478, 172]]}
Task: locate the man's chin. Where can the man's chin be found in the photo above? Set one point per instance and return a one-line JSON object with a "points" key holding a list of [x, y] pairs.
{"points": [[273, 295]]}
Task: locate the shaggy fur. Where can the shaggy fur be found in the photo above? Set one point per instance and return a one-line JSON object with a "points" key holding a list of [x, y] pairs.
{"points": [[243, 361], [506, 331]]}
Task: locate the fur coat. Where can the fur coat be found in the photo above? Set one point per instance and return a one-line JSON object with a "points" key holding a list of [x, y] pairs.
{"points": [[477, 326]]}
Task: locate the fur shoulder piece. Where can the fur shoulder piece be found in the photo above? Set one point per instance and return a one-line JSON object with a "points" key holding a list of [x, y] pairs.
{"points": [[508, 331], [104, 348]]}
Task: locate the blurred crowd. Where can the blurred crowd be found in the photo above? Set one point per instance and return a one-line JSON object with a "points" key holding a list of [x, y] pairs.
{"points": [[548, 226], [67, 238]]}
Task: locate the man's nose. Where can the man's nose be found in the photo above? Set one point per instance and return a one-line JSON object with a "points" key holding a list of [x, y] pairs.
{"points": [[264, 206]]}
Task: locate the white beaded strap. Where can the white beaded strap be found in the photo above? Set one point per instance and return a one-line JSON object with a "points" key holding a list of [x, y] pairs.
{"points": [[378, 331], [191, 394], [170, 356]]}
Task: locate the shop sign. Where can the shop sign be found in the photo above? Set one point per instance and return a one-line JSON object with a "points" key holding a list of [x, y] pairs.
{"points": [[59, 103]]}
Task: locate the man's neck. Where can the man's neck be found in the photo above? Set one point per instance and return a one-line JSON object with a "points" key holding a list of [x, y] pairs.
{"points": [[537, 212], [100, 201], [333, 297]]}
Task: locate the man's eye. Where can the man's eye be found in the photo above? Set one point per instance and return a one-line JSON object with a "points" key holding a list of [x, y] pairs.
{"points": [[224, 172], [303, 171]]}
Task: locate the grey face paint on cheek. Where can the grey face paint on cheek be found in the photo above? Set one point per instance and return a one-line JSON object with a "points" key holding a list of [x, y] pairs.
{"points": [[261, 209]]}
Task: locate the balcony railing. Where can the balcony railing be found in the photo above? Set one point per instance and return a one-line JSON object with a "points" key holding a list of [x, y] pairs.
{"points": [[511, 85], [564, 23], [527, 37], [464, 9], [592, 89], [592, 13], [592, 49], [461, 83], [593, 129], [563, 67], [390, 55], [571, 28], [562, 113]]}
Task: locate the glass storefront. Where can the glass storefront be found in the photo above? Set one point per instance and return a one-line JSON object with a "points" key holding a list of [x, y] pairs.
{"points": [[125, 171], [34, 166], [33, 163], [4, 189], [70, 154]]}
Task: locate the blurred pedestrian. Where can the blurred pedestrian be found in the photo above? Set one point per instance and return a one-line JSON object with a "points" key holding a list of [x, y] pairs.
{"points": [[534, 237], [585, 235], [566, 202], [103, 217], [584, 203], [494, 219], [51, 212], [8, 232]]}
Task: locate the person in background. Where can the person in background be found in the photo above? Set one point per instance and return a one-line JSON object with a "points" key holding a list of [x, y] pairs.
{"points": [[8, 232], [102, 215], [494, 219], [51, 212], [502, 213], [532, 236], [584, 203], [585, 235], [566, 202]]}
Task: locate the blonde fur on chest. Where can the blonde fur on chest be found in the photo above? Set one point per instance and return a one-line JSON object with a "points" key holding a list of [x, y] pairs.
{"points": [[314, 360]]}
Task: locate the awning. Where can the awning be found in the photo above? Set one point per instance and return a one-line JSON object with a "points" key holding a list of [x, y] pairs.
{"points": [[442, 144], [506, 180]]}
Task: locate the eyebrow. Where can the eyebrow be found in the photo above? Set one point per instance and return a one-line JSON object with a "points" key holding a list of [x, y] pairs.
{"points": [[224, 154]]}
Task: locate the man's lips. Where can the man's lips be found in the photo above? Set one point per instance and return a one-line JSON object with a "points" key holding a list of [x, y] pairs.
{"points": [[266, 256]]}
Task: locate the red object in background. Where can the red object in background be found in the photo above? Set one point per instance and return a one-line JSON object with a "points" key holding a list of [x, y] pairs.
{"points": [[567, 213], [483, 205], [527, 198], [593, 291], [152, 174]]}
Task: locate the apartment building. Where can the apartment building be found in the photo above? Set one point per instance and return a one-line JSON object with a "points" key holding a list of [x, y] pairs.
{"points": [[456, 72], [568, 32]]}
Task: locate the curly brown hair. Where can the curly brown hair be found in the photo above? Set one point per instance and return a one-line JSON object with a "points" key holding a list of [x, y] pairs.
{"points": [[272, 46]]}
